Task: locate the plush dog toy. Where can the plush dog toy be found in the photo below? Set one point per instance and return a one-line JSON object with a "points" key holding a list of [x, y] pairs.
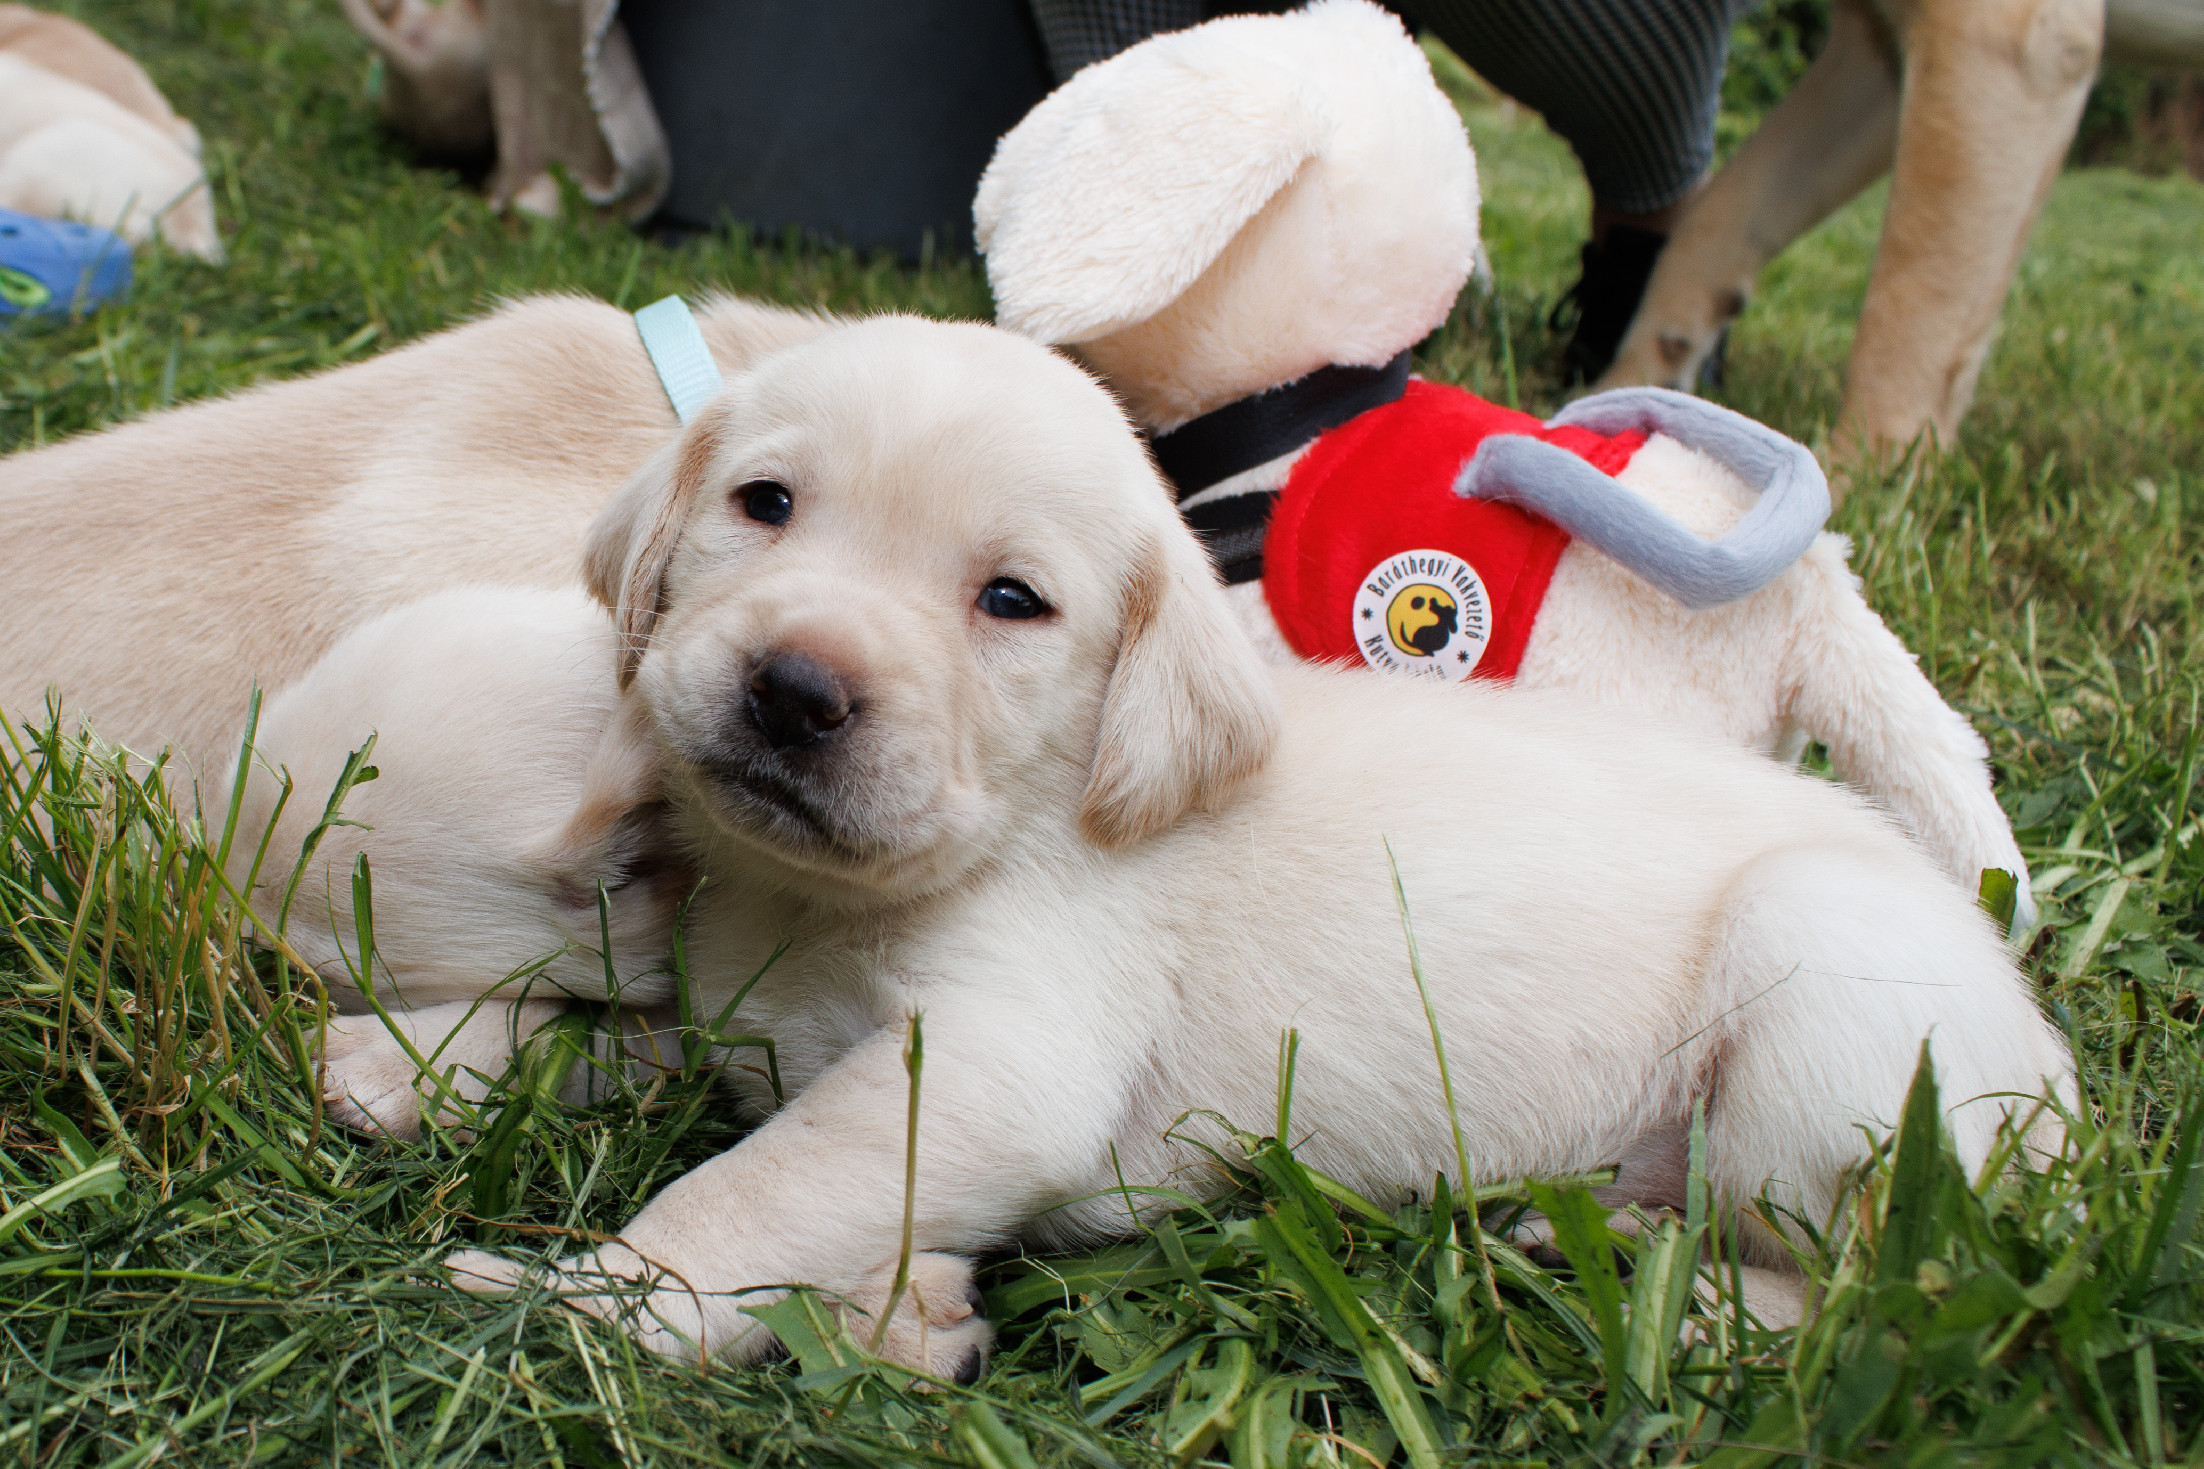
{"points": [[1244, 227]]}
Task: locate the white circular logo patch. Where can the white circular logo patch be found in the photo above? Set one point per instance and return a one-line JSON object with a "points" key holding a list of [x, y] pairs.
{"points": [[1423, 612]]}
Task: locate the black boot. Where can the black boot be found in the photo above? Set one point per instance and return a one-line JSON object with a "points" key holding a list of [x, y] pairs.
{"points": [[1604, 299]]}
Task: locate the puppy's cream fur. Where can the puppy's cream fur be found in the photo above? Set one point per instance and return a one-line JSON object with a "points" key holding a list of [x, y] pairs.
{"points": [[74, 50], [506, 793], [85, 135], [1110, 855], [1288, 191], [152, 573]]}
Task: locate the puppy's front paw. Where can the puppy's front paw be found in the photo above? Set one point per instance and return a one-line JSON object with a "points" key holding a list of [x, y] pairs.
{"points": [[616, 1284], [371, 1083], [937, 1329], [367, 1079]]}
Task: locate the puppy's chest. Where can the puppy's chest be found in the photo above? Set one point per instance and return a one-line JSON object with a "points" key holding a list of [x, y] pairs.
{"points": [[823, 995]]}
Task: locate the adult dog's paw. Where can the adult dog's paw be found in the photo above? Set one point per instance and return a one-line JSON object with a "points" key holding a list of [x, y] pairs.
{"points": [[937, 1328], [367, 1079]]}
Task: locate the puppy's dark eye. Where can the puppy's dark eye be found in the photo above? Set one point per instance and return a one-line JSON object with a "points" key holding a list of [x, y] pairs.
{"points": [[1010, 598], [766, 501]]}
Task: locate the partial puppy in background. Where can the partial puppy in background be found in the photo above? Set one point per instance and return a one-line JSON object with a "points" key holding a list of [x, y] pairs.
{"points": [[85, 135], [512, 785], [545, 84], [153, 572]]}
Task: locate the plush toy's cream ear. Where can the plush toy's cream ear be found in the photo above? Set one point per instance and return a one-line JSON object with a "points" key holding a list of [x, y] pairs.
{"points": [[1119, 189], [616, 832], [619, 835], [632, 538], [1190, 712]]}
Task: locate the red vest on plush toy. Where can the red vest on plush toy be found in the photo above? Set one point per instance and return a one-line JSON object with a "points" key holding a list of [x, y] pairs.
{"points": [[1371, 556]]}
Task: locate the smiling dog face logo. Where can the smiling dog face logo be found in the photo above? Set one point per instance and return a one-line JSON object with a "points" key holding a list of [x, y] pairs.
{"points": [[1421, 620], [1423, 612]]}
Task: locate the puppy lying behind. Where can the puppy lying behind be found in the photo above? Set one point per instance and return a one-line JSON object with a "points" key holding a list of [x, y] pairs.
{"points": [[436, 72], [204, 548], [85, 135], [508, 791], [72, 49], [945, 695]]}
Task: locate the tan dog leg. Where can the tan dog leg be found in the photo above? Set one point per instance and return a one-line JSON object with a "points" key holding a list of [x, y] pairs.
{"points": [[1993, 91], [436, 81], [1831, 137]]}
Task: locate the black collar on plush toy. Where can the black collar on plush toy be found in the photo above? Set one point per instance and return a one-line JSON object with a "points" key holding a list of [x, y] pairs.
{"points": [[1253, 431]]}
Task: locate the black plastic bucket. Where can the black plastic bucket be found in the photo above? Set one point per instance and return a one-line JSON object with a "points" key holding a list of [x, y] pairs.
{"points": [[865, 121]]}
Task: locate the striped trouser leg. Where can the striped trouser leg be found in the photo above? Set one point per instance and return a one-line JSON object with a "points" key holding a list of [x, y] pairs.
{"points": [[1633, 85], [1078, 32]]}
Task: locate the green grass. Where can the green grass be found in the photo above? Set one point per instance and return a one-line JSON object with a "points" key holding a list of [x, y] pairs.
{"points": [[215, 1276]]}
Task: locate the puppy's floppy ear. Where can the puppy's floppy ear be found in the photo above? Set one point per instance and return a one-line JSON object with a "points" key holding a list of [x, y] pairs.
{"points": [[1119, 189], [629, 543], [1190, 713]]}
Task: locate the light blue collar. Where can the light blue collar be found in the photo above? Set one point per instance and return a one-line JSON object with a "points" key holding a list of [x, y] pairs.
{"points": [[677, 350]]}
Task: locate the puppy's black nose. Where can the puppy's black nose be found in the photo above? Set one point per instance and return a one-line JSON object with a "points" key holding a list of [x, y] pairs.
{"points": [[796, 700]]}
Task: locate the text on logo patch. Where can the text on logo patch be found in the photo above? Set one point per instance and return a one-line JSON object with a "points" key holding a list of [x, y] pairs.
{"points": [[1423, 612]]}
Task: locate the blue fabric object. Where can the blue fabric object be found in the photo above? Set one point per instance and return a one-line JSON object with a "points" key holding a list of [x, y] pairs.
{"points": [[1793, 503], [676, 347], [49, 267]]}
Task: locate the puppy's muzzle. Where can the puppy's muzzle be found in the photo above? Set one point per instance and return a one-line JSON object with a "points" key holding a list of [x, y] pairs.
{"points": [[797, 701]]}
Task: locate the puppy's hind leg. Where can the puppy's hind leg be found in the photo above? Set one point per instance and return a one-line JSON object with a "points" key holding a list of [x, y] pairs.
{"points": [[369, 1080], [1653, 1179], [1832, 966]]}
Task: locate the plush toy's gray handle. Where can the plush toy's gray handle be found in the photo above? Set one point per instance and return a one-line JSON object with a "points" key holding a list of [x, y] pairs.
{"points": [[1794, 496]]}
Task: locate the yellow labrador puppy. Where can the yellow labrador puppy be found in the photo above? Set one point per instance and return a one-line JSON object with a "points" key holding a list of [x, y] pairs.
{"points": [[945, 695]]}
